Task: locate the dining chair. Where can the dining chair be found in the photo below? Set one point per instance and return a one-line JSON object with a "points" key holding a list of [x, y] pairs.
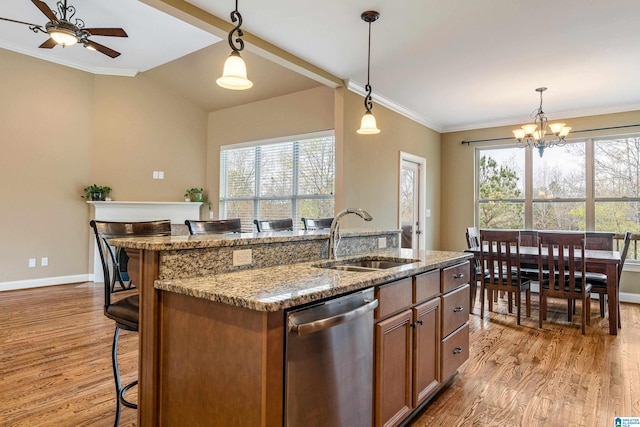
{"points": [[502, 259], [565, 272], [274, 224], [124, 311], [317, 223], [529, 238], [220, 226], [598, 281], [472, 234]]}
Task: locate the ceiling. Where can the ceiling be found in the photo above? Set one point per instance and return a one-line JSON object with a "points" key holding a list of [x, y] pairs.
{"points": [[451, 65]]}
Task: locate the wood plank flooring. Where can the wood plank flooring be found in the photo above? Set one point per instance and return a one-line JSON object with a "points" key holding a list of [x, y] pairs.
{"points": [[55, 366]]}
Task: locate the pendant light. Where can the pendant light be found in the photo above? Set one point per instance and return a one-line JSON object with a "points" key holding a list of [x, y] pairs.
{"points": [[234, 75], [368, 124]]}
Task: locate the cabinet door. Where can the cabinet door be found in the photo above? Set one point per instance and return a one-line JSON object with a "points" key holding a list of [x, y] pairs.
{"points": [[426, 360], [393, 369]]}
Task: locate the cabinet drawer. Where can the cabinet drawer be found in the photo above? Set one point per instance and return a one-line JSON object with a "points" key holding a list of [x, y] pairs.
{"points": [[452, 277], [455, 351], [393, 297], [455, 310], [426, 285]]}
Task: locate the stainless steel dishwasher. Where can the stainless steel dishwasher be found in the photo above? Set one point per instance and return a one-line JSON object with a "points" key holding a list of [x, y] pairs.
{"points": [[329, 363]]}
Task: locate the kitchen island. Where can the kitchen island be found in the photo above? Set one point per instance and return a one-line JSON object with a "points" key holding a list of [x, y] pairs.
{"points": [[212, 337]]}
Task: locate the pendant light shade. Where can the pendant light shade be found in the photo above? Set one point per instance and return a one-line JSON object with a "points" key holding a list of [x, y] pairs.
{"points": [[234, 74], [368, 124]]}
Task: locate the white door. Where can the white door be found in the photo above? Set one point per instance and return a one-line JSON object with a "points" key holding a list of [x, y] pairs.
{"points": [[412, 183]]}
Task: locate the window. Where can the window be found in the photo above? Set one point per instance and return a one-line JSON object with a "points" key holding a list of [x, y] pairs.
{"points": [[593, 184], [501, 188], [290, 177]]}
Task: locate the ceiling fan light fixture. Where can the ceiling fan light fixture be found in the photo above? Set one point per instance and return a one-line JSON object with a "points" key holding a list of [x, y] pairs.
{"points": [[62, 35], [234, 75], [368, 124]]}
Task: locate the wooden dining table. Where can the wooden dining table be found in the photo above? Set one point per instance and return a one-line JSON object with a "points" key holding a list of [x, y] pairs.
{"points": [[597, 261]]}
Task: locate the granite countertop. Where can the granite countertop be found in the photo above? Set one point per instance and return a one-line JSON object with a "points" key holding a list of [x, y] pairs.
{"points": [[285, 286], [220, 240]]}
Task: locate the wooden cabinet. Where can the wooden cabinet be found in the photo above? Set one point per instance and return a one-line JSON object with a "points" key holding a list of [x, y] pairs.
{"points": [[426, 360], [422, 338], [394, 354], [455, 331]]}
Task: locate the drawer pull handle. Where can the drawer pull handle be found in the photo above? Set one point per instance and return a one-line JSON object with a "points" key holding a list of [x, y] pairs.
{"points": [[420, 322], [457, 350], [458, 276], [458, 309]]}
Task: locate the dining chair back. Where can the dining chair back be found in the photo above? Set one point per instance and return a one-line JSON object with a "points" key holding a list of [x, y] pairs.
{"points": [[220, 226], [472, 234], [274, 224], [124, 311], [501, 257], [562, 255], [317, 223], [601, 241], [598, 281]]}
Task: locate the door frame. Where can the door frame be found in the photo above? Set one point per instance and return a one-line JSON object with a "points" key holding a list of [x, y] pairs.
{"points": [[422, 195]]}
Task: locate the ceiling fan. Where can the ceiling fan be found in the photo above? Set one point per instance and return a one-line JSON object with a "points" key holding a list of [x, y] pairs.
{"points": [[66, 33]]}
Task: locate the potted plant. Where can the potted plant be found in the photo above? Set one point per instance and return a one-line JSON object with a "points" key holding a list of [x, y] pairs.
{"points": [[96, 192], [195, 195]]}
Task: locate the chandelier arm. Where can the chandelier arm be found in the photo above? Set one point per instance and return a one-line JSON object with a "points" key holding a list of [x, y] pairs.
{"points": [[235, 16]]}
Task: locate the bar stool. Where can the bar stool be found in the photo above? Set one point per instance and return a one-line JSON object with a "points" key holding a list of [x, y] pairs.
{"points": [[125, 311]]}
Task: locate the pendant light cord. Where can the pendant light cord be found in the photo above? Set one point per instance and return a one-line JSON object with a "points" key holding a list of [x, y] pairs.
{"points": [[368, 104]]}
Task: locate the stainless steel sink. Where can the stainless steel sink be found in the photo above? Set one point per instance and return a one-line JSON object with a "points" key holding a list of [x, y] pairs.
{"points": [[367, 264]]}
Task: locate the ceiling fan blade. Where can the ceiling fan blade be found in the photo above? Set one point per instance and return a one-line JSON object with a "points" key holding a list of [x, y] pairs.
{"points": [[102, 49], [22, 22], [45, 9], [110, 32], [48, 44]]}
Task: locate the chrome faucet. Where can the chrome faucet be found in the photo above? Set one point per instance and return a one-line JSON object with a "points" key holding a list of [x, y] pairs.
{"points": [[334, 234]]}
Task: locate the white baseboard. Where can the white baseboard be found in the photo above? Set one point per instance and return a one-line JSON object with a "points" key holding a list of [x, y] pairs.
{"points": [[46, 281], [629, 297]]}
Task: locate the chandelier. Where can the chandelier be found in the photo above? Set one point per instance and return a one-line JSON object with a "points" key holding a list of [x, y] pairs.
{"points": [[535, 134]]}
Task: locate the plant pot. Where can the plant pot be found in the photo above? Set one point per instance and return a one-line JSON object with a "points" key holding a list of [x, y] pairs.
{"points": [[196, 197], [97, 196]]}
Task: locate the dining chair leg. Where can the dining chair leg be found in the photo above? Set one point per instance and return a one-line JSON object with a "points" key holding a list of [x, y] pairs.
{"points": [[528, 301], [482, 292], [116, 373], [601, 299], [570, 310], [540, 308], [510, 302], [518, 303]]}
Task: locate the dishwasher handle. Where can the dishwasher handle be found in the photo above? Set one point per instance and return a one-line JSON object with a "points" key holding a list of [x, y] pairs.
{"points": [[328, 322]]}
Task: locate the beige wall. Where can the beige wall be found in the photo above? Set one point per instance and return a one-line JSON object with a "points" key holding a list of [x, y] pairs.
{"points": [[458, 173], [298, 113], [367, 167], [140, 128], [371, 167], [46, 134], [63, 129]]}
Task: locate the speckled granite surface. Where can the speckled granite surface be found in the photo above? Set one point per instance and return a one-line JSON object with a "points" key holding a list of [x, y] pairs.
{"points": [[283, 286], [221, 240]]}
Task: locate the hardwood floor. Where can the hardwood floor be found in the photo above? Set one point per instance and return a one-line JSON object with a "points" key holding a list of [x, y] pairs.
{"points": [[555, 376], [55, 366], [55, 358]]}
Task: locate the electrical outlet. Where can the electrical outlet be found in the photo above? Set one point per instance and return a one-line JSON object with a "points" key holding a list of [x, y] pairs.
{"points": [[382, 242], [155, 174], [32, 262], [428, 213], [160, 174], [242, 257], [44, 261]]}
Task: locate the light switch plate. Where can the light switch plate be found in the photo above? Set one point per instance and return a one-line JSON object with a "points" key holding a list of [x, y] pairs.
{"points": [[44, 261], [32, 262], [382, 242]]}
